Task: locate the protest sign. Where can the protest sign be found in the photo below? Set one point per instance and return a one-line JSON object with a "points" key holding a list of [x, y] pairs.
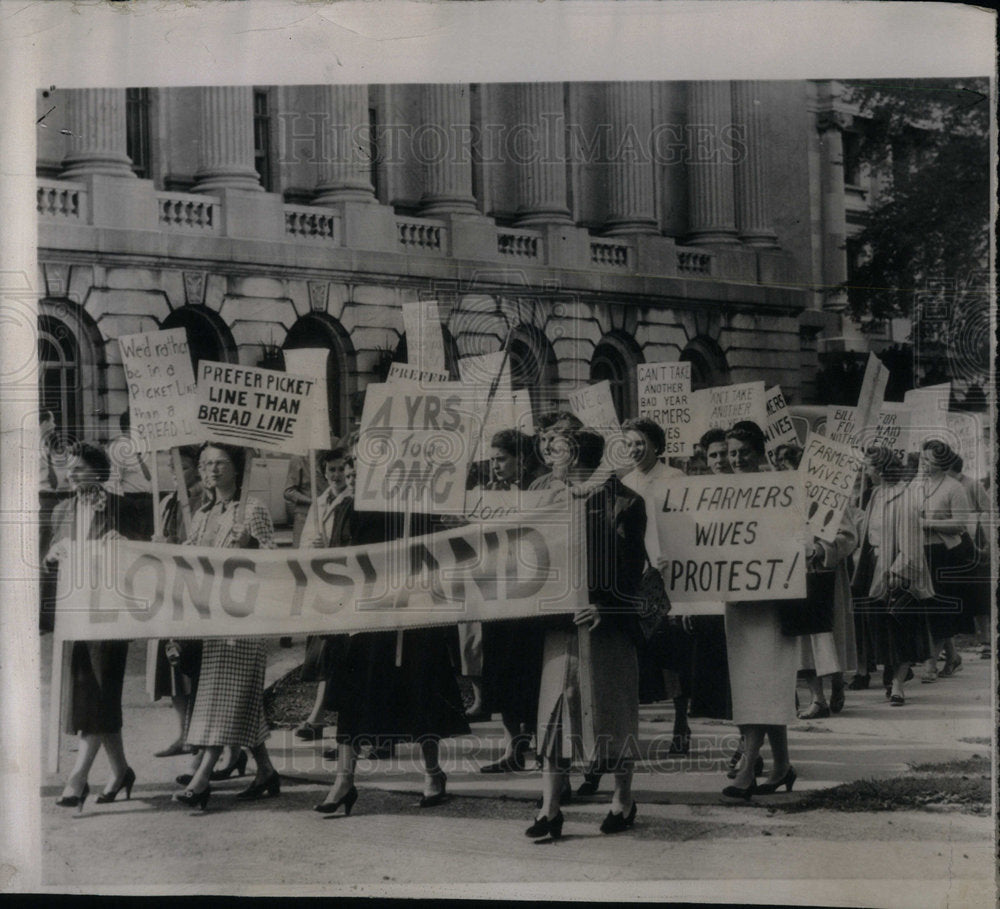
{"points": [[723, 405], [891, 429], [312, 361], [928, 414], [414, 447], [162, 394], [404, 372], [733, 537], [665, 398], [842, 424], [779, 430], [594, 405], [261, 408], [828, 472], [424, 340], [965, 436], [479, 572], [872, 392]]}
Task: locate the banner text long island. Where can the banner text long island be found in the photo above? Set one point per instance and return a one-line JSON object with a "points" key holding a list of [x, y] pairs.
{"points": [[733, 537], [474, 573]]}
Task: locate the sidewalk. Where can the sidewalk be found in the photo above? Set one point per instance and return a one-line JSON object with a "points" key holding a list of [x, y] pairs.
{"points": [[687, 834]]}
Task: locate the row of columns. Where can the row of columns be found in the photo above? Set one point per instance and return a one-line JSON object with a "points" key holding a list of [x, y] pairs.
{"points": [[726, 193]]}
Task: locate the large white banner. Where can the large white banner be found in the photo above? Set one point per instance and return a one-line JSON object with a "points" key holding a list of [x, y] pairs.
{"points": [[162, 395], [518, 568], [733, 537]]}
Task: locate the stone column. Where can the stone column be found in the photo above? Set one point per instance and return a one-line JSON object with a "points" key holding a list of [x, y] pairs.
{"points": [[97, 122], [631, 206], [443, 143], [752, 219], [226, 135], [711, 210], [541, 187], [345, 165], [830, 124]]}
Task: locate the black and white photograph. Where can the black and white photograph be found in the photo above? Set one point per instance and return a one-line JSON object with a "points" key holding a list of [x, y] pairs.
{"points": [[601, 401]]}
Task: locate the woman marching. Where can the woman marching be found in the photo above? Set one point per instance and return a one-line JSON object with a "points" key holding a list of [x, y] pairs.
{"points": [[229, 706], [93, 516], [762, 661], [615, 529], [512, 650]]}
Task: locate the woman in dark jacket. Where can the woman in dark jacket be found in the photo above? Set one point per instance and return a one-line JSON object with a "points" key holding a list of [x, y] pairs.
{"points": [[379, 703], [605, 731], [512, 650], [94, 709]]}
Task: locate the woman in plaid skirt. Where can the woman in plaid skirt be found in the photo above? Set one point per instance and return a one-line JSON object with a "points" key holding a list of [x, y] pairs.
{"points": [[229, 706]]}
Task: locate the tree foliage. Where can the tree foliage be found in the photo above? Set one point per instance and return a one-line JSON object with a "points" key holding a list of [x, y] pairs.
{"points": [[926, 235]]}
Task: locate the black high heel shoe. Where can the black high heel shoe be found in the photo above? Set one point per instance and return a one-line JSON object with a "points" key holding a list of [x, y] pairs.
{"points": [[194, 799], [269, 786], [239, 767], [75, 801], [788, 780], [545, 827], [128, 781], [734, 792], [591, 781], [347, 800], [616, 823], [435, 798]]}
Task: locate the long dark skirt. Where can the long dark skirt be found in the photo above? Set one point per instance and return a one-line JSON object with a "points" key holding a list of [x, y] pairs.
{"points": [[324, 652], [170, 680], [377, 701], [901, 638], [947, 616], [512, 669], [671, 649], [710, 694], [98, 676]]}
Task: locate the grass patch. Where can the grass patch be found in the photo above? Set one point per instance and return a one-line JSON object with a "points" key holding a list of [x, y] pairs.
{"points": [[961, 785]]}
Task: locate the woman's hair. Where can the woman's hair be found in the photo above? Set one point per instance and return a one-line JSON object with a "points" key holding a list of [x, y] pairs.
{"points": [[95, 457], [190, 452], [588, 446], [235, 453], [711, 438], [521, 447], [545, 420], [792, 452], [332, 454], [749, 433], [888, 462], [941, 454], [652, 431]]}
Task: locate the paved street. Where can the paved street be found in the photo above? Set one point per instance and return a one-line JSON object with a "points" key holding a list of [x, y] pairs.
{"points": [[687, 842]]}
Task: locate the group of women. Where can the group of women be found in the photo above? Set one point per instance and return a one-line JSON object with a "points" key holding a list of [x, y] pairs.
{"points": [[388, 688]]}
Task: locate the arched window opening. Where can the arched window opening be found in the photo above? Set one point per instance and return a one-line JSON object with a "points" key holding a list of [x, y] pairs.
{"points": [[708, 363], [614, 360], [59, 375], [319, 330], [208, 335], [533, 366]]}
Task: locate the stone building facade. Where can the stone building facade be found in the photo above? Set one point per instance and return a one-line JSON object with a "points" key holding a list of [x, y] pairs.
{"points": [[590, 226]]}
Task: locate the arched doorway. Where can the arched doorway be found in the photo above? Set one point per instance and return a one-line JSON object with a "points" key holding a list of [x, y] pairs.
{"points": [[708, 363], [317, 329], [533, 366], [208, 335], [614, 360]]}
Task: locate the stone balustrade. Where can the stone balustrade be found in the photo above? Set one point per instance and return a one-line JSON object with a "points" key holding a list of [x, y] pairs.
{"points": [[421, 235], [521, 244], [187, 212], [690, 262], [305, 222], [607, 254], [61, 200]]}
